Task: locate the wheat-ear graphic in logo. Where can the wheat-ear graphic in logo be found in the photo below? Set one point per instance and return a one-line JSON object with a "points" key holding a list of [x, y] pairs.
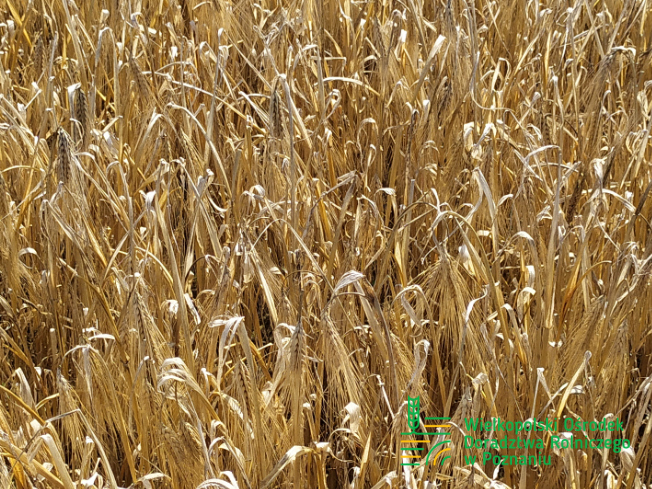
{"points": [[412, 452]]}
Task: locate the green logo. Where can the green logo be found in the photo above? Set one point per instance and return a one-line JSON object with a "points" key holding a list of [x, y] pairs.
{"points": [[410, 449]]}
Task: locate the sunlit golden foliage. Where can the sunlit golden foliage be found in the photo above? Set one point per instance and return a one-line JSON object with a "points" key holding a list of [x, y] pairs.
{"points": [[235, 236]]}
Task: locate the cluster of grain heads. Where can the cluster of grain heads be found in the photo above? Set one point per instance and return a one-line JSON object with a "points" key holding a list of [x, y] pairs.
{"points": [[236, 236]]}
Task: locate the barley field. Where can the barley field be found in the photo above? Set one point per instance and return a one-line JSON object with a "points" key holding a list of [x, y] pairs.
{"points": [[239, 238]]}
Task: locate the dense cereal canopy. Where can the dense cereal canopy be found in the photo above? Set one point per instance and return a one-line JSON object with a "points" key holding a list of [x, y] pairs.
{"points": [[237, 237]]}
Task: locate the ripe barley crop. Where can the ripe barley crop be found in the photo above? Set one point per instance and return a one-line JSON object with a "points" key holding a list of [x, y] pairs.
{"points": [[240, 238]]}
